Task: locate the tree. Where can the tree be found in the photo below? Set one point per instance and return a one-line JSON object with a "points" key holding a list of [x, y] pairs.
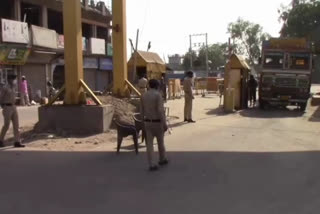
{"points": [[301, 19], [217, 55], [186, 60], [248, 38]]}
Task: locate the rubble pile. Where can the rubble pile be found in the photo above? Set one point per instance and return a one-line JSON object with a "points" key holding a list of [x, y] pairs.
{"points": [[124, 110]]}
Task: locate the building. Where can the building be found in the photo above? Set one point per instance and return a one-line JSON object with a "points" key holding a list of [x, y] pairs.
{"points": [[175, 62], [32, 43]]}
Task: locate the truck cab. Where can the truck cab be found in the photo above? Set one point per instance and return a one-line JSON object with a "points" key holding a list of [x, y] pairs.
{"points": [[286, 73]]}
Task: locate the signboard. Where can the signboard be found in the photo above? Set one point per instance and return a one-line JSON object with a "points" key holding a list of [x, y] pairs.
{"points": [[97, 46], [43, 37], [60, 41], [90, 63], [14, 31], [109, 49], [13, 55], [84, 44], [106, 64]]}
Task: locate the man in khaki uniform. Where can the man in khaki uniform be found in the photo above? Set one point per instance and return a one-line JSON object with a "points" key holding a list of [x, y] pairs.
{"points": [[152, 110], [188, 97], [10, 113], [142, 85]]}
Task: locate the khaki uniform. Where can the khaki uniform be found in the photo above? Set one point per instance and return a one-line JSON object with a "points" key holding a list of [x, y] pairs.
{"points": [[152, 109], [142, 85], [188, 97], [10, 113]]}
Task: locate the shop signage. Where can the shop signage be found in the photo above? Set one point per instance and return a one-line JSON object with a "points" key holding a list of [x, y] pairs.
{"points": [[43, 37], [97, 46], [109, 49], [14, 31], [60, 42], [13, 55], [90, 63], [106, 64]]}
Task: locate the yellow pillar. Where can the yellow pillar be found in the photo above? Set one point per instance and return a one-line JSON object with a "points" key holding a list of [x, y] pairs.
{"points": [[73, 50], [119, 38]]}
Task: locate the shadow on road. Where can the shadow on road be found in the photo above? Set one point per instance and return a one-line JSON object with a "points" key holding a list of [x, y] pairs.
{"points": [[194, 182], [315, 116], [217, 111], [271, 113]]}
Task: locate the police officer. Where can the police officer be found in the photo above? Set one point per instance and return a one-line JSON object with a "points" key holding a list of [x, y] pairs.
{"points": [[7, 101], [252, 86], [152, 110], [142, 84], [188, 97]]}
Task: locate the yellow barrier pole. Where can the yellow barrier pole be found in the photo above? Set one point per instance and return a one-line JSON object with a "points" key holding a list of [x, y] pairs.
{"points": [[119, 38], [73, 50]]}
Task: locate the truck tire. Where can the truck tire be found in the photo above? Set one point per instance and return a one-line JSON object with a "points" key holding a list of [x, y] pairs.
{"points": [[303, 107], [262, 104]]}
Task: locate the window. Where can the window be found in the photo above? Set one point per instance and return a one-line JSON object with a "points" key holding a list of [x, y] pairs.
{"points": [[300, 61], [273, 60]]}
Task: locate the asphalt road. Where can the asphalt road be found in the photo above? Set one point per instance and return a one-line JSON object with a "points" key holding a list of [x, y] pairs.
{"points": [[248, 162]]}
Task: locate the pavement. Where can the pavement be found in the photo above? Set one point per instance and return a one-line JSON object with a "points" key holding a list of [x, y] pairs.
{"points": [[250, 162]]}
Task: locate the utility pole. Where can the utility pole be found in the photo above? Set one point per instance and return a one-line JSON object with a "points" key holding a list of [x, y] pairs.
{"points": [[191, 64], [135, 58], [206, 51], [207, 55]]}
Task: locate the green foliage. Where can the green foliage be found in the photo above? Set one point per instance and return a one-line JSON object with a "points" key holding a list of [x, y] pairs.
{"points": [[217, 57], [301, 19], [247, 38]]}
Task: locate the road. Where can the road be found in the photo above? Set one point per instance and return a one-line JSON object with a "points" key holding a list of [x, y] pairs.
{"points": [[249, 162], [28, 116]]}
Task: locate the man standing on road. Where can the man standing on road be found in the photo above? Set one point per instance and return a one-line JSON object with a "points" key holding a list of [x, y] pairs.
{"points": [[24, 96], [188, 97], [252, 86], [153, 113], [9, 111]]}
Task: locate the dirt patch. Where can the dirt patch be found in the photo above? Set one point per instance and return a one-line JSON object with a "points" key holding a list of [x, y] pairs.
{"points": [[124, 110]]}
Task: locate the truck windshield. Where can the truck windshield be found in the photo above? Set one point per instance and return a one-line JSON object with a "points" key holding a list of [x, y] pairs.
{"points": [[273, 60], [300, 61]]}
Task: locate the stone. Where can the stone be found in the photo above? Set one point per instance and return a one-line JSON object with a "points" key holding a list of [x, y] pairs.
{"points": [[80, 120]]}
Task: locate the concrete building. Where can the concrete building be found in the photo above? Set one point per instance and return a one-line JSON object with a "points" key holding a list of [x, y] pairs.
{"points": [[32, 43], [175, 62]]}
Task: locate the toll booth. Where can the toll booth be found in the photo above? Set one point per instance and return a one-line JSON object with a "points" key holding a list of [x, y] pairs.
{"points": [[236, 78], [148, 63]]}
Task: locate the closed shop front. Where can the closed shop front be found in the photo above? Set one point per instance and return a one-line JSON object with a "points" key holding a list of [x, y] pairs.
{"points": [[90, 78], [36, 77], [102, 80]]}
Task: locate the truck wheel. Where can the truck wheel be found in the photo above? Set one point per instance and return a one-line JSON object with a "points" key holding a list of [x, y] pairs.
{"points": [[303, 107], [262, 104]]}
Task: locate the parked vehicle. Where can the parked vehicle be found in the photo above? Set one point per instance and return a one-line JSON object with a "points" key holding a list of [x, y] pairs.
{"points": [[286, 73]]}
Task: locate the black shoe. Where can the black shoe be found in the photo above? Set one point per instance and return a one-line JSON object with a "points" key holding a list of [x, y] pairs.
{"points": [[185, 120], [1, 144], [191, 121], [18, 145], [153, 168], [164, 162]]}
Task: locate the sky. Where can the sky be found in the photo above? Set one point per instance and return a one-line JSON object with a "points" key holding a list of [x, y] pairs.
{"points": [[168, 23]]}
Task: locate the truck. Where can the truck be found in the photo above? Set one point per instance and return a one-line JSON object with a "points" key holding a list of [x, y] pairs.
{"points": [[285, 78]]}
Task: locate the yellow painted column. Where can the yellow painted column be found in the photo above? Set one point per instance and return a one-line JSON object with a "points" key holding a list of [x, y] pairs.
{"points": [[73, 50], [119, 38]]}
